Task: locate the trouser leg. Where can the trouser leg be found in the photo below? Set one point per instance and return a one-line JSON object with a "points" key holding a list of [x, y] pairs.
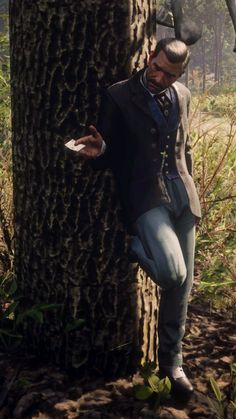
{"points": [[158, 248], [165, 248], [174, 302]]}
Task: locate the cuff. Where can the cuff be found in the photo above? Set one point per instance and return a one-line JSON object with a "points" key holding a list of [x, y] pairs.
{"points": [[103, 148]]}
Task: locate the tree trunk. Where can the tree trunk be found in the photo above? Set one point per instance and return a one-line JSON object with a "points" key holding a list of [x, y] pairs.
{"points": [[203, 45], [70, 243], [221, 47], [217, 35]]}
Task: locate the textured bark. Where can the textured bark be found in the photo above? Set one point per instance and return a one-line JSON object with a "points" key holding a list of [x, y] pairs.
{"points": [[70, 243]]}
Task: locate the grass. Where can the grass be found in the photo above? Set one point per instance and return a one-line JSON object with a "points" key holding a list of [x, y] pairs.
{"points": [[214, 143]]}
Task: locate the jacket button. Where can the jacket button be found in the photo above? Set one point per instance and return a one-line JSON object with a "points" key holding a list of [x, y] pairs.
{"points": [[153, 131]]}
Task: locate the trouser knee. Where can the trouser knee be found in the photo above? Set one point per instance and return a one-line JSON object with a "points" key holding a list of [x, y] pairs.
{"points": [[171, 278]]}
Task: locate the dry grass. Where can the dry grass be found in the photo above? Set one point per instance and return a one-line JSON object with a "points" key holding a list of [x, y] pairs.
{"points": [[6, 210]]}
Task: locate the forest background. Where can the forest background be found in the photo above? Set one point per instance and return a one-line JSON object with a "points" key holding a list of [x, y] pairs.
{"points": [[211, 78]]}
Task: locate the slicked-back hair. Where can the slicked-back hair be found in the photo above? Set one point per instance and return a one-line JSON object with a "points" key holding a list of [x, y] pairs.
{"points": [[175, 50]]}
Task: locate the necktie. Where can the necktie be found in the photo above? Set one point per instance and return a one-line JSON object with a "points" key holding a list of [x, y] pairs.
{"points": [[164, 102]]}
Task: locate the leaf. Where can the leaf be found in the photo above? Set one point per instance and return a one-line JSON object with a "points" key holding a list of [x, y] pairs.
{"points": [[36, 312], [167, 384], [142, 392], [233, 369], [164, 387], [153, 381], [10, 310], [215, 388], [24, 382], [36, 315], [147, 369], [232, 405], [215, 407], [10, 334], [12, 288], [74, 325], [78, 364], [216, 284]]}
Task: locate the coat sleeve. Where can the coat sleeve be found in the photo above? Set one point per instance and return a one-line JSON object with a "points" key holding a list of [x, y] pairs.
{"points": [[107, 125]]}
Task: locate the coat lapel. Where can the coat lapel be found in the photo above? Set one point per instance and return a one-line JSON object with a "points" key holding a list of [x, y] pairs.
{"points": [[140, 96], [180, 99]]}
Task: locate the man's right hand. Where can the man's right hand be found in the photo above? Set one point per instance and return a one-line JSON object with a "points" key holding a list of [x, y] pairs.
{"points": [[93, 144]]}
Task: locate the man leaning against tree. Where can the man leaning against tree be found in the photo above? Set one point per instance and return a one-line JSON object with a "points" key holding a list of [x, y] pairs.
{"points": [[143, 135]]}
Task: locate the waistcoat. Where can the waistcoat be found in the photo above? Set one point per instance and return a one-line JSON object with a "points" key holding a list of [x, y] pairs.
{"points": [[166, 135]]}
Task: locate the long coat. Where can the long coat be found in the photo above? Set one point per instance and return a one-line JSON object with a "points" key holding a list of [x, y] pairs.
{"points": [[131, 135]]}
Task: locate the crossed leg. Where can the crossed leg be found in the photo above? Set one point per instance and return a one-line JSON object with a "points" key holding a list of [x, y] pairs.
{"points": [[164, 246]]}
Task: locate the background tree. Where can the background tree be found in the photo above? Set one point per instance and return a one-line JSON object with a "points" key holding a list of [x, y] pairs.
{"points": [[212, 58], [70, 244], [213, 53]]}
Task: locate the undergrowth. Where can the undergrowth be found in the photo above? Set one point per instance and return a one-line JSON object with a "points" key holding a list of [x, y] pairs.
{"points": [[214, 145]]}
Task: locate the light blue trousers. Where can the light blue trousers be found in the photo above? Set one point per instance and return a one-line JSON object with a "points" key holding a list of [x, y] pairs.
{"points": [[164, 246]]}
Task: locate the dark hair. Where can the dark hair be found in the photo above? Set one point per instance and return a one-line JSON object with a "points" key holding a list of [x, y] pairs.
{"points": [[175, 50]]}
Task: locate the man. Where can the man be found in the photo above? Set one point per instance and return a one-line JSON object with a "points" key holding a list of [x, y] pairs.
{"points": [[143, 127]]}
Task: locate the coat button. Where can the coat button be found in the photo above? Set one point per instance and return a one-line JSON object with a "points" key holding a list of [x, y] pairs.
{"points": [[153, 131]]}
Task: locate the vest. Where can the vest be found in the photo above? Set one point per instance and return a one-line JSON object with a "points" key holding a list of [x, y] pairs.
{"points": [[166, 135]]}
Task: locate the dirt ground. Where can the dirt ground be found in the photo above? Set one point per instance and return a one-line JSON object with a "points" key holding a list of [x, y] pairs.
{"points": [[30, 391]]}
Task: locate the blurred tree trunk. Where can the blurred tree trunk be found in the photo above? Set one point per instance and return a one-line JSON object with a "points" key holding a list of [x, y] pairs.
{"points": [[70, 244], [218, 41], [203, 64], [221, 47]]}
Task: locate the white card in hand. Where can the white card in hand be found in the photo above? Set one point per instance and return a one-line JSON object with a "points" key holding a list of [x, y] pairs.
{"points": [[71, 145]]}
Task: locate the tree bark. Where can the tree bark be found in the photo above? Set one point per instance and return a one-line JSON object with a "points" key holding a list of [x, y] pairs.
{"points": [[70, 242], [203, 45]]}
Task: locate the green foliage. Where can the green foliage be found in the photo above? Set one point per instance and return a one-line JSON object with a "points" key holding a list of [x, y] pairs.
{"points": [[223, 406], [220, 103], [154, 389], [36, 312], [76, 324], [12, 320], [24, 382], [5, 114], [214, 145], [6, 207], [9, 337]]}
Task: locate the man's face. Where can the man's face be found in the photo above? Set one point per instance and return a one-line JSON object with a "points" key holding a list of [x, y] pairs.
{"points": [[161, 73]]}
